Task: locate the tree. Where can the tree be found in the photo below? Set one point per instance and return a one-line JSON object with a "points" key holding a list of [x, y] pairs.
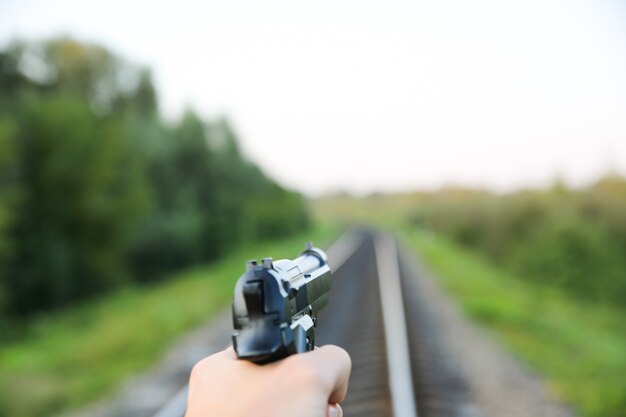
{"points": [[96, 189], [80, 198]]}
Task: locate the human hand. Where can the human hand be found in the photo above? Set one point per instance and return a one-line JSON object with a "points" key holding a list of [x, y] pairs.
{"points": [[309, 384]]}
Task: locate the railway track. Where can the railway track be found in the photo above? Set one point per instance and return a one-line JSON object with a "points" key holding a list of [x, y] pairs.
{"points": [[374, 312]]}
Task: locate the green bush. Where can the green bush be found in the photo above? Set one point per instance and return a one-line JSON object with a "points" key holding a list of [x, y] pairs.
{"points": [[574, 239], [576, 254]]}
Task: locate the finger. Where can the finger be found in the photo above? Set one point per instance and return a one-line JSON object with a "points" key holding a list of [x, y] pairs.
{"points": [[228, 353], [334, 410], [334, 365]]}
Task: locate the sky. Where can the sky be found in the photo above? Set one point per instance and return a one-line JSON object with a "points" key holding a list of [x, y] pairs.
{"points": [[364, 96]]}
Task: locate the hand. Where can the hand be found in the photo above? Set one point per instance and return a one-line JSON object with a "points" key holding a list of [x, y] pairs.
{"points": [[308, 384]]}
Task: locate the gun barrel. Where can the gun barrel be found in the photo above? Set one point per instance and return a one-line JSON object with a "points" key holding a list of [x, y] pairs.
{"points": [[309, 262]]}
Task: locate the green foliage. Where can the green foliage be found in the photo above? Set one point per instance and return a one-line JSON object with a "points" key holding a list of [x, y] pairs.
{"points": [[208, 200], [74, 180], [574, 239], [7, 196], [576, 255], [96, 190]]}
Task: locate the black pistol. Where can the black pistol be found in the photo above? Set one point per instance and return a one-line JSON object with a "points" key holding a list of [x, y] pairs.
{"points": [[276, 304]]}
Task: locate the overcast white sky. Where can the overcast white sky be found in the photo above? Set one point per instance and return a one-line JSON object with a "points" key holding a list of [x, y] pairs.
{"points": [[395, 95]]}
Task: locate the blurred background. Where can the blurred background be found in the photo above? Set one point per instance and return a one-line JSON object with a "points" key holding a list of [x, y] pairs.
{"points": [[147, 148]]}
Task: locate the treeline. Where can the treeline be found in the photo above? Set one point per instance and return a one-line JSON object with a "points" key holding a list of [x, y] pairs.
{"points": [[96, 190], [570, 238]]}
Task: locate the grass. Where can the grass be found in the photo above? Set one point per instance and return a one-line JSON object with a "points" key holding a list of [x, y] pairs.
{"points": [[70, 358], [579, 347]]}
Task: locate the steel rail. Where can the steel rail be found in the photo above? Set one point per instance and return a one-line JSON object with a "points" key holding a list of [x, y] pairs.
{"points": [[394, 323]]}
